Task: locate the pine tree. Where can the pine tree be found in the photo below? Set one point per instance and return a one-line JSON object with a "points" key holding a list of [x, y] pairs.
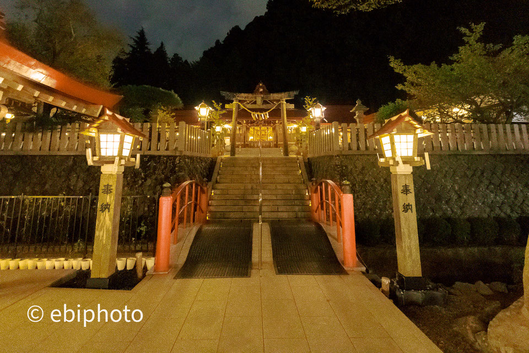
{"points": [[160, 69], [134, 67]]}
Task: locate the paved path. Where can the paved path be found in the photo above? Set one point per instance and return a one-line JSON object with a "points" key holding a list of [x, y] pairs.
{"points": [[263, 313]]}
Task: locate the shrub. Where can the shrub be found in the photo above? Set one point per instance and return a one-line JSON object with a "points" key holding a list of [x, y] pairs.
{"points": [[367, 232], [387, 230], [508, 231], [483, 231], [436, 231], [523, 221], [460, 230]]}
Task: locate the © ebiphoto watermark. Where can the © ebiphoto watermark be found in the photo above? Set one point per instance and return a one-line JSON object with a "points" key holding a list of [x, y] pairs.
{"points": [[36, 313]]}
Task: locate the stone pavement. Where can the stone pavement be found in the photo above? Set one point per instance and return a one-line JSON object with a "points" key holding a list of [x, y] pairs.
{"points": [[263, 313]]}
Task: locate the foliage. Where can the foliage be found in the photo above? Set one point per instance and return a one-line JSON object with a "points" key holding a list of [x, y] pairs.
{"points": [[436, 231], [215, 116], [483, 83], [460, 230], [483, 231], [387, 230], [65, 35], [391, 109], [144, 103], [140, 66], [345, 6], [367, 232], [56, 117], [523, 221], [508, 231], [308, 104]]}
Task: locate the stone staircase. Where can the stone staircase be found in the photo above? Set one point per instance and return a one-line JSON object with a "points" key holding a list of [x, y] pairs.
{"points": [[236, 192]]}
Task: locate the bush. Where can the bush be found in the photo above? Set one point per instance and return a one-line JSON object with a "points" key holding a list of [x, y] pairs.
{"points": [[367, 232], [460, 230], [508, 231], [523, 221], [387, 230], [483, 231], [436, 231]]}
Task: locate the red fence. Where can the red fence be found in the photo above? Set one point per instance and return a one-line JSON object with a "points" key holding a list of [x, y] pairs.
{"points": [[185, 204], [332, 206]]}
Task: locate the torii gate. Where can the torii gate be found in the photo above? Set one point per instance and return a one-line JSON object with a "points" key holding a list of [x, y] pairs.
{"points": [[259, 99]]}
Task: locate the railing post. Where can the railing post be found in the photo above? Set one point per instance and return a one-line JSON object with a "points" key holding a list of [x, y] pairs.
{"points": [[163, 244], [314, 202], [176, 219], [348, 228], [204, 206]]}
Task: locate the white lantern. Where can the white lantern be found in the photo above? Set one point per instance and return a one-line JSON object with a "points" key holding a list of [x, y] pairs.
{"points": [[399, 140], [114, 140]]}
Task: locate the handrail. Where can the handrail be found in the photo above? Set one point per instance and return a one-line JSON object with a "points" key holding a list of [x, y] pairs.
{"points": [[323, 204], [195, 203], [324, 199], [188, 199]]}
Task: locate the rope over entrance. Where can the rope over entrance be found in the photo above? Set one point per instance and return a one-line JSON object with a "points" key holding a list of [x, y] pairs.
{"points": [[258, 115]]}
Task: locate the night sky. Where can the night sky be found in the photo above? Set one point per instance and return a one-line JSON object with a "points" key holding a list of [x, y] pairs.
{"points": [[186, 27]]}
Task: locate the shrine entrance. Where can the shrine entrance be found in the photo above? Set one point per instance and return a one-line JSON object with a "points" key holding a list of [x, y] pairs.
{"points": [[260, 131], [263, 136]]}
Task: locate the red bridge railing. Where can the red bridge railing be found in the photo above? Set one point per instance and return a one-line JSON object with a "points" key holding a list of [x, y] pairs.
{"points": [[332, 206], [187, 203]]}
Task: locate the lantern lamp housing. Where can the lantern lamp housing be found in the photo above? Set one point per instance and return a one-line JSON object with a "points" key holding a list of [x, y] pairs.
{"points": [[203, 111], [113, 137], [399, 140], [317, 111]]}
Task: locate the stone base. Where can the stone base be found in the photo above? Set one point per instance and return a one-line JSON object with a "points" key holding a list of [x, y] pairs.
{"points": [[411, 283], [509, 331], [420, 297]]}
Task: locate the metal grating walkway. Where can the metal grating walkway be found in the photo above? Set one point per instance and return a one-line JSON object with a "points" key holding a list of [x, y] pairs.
{"points": [[220, 250], [303, 248]]}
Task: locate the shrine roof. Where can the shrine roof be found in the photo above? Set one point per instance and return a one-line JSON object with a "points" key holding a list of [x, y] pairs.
{"points": [[33, 70]]}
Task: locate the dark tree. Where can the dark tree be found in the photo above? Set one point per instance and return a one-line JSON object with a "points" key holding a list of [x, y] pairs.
{"points": [[160, 68], [134, 67]]}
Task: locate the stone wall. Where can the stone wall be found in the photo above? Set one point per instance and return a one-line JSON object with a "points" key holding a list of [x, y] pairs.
{"points": [[71, 176], [457, 186]]}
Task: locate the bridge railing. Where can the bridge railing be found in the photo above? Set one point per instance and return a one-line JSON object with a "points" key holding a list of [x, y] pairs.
{"points": [[24, 138], [447, 138], [186, 204], [332, 206]]}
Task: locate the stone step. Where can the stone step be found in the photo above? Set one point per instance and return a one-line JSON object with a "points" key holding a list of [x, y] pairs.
{"points": [[272, 192], [233, 215], [266, 186], [255, 201], [255, 215], [255, 162], [286, 215], [255, 208], [256, 197], [252, 170], [267, 179]]}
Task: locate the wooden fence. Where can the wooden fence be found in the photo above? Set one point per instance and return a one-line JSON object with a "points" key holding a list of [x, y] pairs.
{"points": [[447, 138], [162, 139]]}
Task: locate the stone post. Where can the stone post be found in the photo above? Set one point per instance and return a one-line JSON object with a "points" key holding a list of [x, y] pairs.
{"points": [[233, 136], [404, 212], [285, 127], [107, 223]]}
